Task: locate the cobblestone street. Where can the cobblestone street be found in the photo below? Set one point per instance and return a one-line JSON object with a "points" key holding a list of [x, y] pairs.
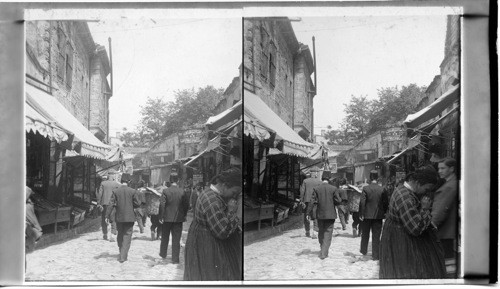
{"points": [[90, 258], [292, 256]]}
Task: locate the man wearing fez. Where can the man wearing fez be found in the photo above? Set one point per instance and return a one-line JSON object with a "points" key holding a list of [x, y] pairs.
{"points": [[103, 200], [122, 203]]}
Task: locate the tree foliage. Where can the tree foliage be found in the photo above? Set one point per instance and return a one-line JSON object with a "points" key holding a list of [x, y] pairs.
{"points": [[364, 117], [160, 118]]}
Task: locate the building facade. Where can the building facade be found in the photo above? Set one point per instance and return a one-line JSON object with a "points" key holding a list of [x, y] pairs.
{"points": [[67, 98], [63, 60], [444, 137], [278, 69]]}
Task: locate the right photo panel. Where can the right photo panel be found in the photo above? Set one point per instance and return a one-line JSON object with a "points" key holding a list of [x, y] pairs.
{"points": [[351, 147]]}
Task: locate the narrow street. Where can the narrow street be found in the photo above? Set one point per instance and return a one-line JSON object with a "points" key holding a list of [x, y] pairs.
{"points": [[292, 256], [90, 258]]}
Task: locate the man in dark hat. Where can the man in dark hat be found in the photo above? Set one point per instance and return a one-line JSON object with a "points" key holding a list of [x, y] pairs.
{"points": [[372, 209], [122, 203]]}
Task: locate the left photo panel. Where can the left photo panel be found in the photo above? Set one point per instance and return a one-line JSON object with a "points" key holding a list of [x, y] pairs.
{"points": [[133, 131]]}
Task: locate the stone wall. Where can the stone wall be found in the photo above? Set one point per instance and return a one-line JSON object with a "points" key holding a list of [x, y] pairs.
{"points": [[265, 42], [48, 45]]}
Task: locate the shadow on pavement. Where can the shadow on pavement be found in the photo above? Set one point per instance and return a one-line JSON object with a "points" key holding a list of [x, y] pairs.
{"points": [[345, 235], [106, 255], [95, 239], [307, 252], [145, 238]]}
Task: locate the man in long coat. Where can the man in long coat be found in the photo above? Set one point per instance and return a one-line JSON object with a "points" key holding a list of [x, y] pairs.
{"points": [[306, 191], [372, 209], [123, 201], [326, 197], [103, 200], [173, 209]]}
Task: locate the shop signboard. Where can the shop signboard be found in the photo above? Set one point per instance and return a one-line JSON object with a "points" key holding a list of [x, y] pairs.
{"points": [[333, 168], [197, 178], [393, 134], [365, 155], [189, 136], [162, 157]]}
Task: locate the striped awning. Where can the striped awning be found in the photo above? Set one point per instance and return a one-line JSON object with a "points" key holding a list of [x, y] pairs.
{"points": [[42, 107]]}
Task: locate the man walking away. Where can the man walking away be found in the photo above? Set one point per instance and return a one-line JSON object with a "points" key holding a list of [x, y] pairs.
{"points": [[123, 201], [372, 209], [343, 207], [325, 197], [305, 197], [103, 201], [173, 209]]}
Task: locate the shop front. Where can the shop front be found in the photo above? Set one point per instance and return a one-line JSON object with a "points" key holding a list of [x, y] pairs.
{"points": [[61, 157], [273, 157]]}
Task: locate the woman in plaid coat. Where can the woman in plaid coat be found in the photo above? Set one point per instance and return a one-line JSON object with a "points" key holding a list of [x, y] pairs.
{"points": [[409, 247], [213, 246]]}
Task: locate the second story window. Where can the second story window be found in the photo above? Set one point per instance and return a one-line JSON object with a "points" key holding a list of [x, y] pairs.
{"points": [[65, 58], [272, 64], [69, 65]]}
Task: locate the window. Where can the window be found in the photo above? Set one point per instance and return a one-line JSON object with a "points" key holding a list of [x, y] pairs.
{"points": [[65, 58], [264, 59], [272, 65], [264, 65], [61, 45], [69, 65]]}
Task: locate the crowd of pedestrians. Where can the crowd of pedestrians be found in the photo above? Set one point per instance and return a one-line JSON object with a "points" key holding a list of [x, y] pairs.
{"points": [[213, 246], [413, 225]]}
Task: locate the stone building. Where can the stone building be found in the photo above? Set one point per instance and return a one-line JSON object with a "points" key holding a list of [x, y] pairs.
{"points": [[66, 120], [231, 96], [278, 68], [63, 60], [443, 96]]}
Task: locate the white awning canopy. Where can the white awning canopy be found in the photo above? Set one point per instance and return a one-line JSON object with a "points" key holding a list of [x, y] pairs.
{"points": [[48, 106], [35, 122], [434, 109], [224, 117], [259, 116]]}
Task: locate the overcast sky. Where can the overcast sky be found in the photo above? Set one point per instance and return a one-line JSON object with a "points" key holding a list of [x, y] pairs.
{"points": [[355, 56], [358, 55], [156, 57]]}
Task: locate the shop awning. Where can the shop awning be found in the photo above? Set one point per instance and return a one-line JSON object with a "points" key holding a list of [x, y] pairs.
{"points": [[434, 109], [411, 145], [47, 105], [256, 110], [36, 122], [212, 145], [224, 117], [429, 127]]}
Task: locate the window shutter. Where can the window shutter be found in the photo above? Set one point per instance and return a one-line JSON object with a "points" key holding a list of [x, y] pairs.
{"points": [[69, 65], [272, 64], [264, 64], [61, 62]]}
